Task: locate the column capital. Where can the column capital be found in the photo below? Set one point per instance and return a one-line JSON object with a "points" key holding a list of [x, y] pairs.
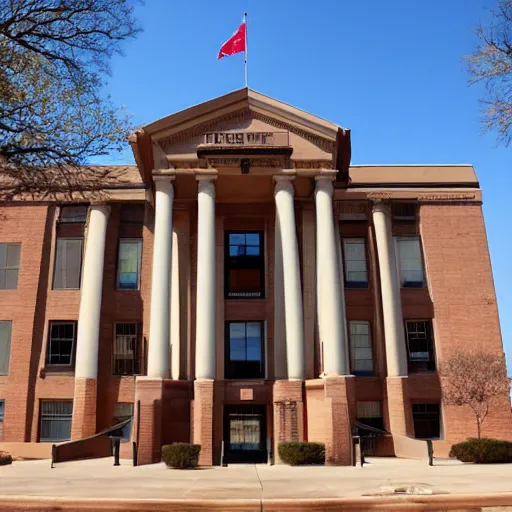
{"points": [[280, 178], [324, 183], [380, 206], [284, 183], [206, 176], [101, 206], [163, 174]]}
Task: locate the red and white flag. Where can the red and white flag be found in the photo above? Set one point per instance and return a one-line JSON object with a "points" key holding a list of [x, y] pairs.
{"points": [[236, 43]]}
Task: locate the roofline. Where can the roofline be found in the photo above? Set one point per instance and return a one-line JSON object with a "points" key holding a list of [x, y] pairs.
{"points": [[412, 165], [246, 97]]}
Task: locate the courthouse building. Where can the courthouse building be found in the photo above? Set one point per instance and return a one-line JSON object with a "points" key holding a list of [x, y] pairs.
{"points": [[243, 285]]}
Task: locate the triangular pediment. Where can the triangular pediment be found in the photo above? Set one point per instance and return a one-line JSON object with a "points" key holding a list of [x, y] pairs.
{"points": [[242, 117]]}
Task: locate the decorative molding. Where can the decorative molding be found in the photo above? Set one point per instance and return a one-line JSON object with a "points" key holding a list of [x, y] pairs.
{"points": [[242, 115], [379, 195], [348, 210], [447, 197], [312, 164]]}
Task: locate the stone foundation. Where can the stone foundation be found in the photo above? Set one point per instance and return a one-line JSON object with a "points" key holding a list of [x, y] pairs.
{"points": [[202, 419], [399, 406]]}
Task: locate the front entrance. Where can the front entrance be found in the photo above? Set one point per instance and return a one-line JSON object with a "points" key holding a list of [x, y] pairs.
{"points": [[245, 434]]}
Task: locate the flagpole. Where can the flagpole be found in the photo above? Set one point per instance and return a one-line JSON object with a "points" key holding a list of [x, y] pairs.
{"points": [[245, 53]]}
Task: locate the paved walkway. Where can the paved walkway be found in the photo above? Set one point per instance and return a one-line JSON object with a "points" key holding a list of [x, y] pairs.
{"points": [[99, 479]]}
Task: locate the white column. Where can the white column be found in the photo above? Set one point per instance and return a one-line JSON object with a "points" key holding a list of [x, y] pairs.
{"points": [[159, 327], [90, 299], [331, 318], [396, 357], [205, 293], [175, 309], [279, 326], [294, 321]]}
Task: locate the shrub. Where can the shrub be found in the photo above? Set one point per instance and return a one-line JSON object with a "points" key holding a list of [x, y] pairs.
{"points": [[181, 455], [482, 451], [299, 454], [5, 458]]}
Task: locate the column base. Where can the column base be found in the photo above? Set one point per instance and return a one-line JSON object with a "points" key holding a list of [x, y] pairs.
{"points": [[83, 423], [148, 400], [339, 407], [202, 419], [399, 406], [288, 400]]}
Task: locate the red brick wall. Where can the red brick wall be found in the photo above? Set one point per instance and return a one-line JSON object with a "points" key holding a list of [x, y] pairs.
{"points": [[27, 224], [464, 301]]}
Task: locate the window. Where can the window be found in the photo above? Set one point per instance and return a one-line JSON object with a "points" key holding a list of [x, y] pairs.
{"points": [[410, 263], [74, 213], [9, 266], [5, 346], [2, 410], [427, 421], [420, 345], [404, 211], [68, 263], [370, 413], [244, 272], [56, 421], [126, 360], [122, 413], [61, 344], [128, 266], [356, 274], [361, 348], [132, 213], [244, 350]]}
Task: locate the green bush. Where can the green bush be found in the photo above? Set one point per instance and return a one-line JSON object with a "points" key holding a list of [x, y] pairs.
{"points": [[482, 451], [5, 458], [299, 454], [181, 455]]}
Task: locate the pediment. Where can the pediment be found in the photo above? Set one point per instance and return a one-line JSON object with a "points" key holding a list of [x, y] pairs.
{"points": [[240, 119]]}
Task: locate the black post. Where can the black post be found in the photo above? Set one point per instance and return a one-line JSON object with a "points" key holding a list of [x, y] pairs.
{"points": [[134, 451], [54, 451], [117, 443], [430, 450]]}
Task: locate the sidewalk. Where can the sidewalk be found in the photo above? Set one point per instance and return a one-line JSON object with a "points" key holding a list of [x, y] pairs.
{"points": [[98, 479]]}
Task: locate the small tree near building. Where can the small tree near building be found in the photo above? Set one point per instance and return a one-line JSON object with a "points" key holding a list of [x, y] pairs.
{"points": [[476, 379]]}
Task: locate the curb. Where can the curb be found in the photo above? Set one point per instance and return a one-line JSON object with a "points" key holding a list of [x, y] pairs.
{"points": [[438, 502]]}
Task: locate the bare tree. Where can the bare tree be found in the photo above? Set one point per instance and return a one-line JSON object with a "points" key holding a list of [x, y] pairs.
{"points": [[476, 379], [54, 56], [491, 63]]}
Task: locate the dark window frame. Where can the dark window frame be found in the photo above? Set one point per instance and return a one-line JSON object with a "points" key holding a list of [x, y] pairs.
{"points": [[139, 242], [261, 264], [82, 255], [418, 365], [11, 267], [61, 366], [2, 373], [355, 284], [229, 370], [399, 212], [72, 220], [418, 415], [371, 421], [361, 373], [2, 410], [410, 284], [137, 359]]}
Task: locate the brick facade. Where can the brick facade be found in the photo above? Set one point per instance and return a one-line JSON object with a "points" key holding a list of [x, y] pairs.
{"points": [[456, 297]]}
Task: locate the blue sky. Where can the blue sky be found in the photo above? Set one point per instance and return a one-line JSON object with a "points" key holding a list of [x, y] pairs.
{"points": [[391, 71]]}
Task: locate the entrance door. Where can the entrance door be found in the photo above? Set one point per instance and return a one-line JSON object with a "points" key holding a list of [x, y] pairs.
{"points": [[245, 433]]}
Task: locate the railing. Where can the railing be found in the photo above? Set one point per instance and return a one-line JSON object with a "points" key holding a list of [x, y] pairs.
{"points": [[97, 445]]}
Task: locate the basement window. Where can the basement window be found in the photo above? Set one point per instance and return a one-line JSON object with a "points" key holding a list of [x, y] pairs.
{"points": [[56, 421]]}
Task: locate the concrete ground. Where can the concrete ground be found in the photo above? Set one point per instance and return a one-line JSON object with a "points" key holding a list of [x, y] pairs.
{"points": [[99, 479]]}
